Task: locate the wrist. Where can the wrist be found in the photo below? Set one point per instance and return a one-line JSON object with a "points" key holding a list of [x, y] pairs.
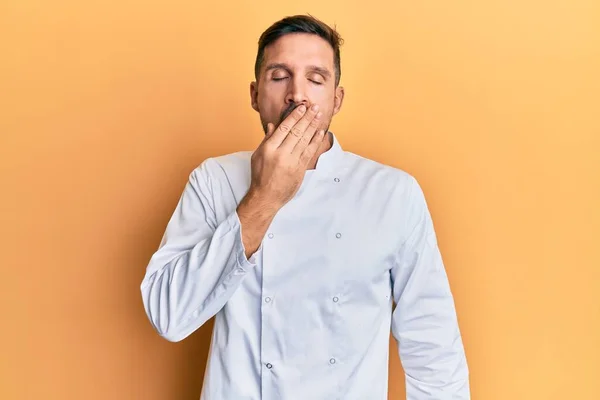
{"points": [[260, 200], [256, 203]]}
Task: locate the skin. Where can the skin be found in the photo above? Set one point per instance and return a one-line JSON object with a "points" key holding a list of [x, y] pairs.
{"points": [[296, 98]]}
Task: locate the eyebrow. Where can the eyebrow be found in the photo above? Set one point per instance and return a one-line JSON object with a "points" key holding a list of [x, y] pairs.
{"points": [[314, 68]]}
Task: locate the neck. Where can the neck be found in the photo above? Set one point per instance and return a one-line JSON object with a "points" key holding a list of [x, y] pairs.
{"points": [[326, 144]]}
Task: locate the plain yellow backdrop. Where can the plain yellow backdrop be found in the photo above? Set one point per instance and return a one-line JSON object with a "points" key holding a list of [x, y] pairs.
{"points": [[107, 106]]}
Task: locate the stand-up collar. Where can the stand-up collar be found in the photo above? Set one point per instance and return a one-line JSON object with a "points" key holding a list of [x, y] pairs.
{"points": [[328, 161]]}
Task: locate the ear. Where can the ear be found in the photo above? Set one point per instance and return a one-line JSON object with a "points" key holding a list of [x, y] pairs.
{"points": [[338, 100], [254, 95]]}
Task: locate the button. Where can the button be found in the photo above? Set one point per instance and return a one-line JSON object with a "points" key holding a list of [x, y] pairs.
{"points": [[335, 299], [267, 299], [332, 361], [338, 235], [269, 365], [271, 236], [336, 179]]}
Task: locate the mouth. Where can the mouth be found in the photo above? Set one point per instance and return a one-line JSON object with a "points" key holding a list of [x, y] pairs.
{"points": [[288, 111]]}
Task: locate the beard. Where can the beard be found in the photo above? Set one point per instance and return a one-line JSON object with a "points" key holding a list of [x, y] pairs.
{"points": [[284, 114]]}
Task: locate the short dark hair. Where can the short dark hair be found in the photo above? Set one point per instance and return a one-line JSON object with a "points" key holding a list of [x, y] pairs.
{"points": [[300, 24]]}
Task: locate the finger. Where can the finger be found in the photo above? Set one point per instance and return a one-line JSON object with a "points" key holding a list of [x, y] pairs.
{"points": [[302, 129], [268, 134], [313, 128], [286, 125], [270, 130], [310, 150]]}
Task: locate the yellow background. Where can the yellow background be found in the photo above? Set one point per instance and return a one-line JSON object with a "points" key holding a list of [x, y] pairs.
{"points": [[106, 107]]}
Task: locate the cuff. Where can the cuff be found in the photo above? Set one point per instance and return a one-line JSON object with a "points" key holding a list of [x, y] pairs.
{"points": [[243, 262]]}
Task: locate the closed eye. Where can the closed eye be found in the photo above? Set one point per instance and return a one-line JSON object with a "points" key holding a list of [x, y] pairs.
{"points": [[286, 77]]}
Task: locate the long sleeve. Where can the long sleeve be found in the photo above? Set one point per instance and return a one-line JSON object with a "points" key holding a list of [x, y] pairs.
{"points": [[198, 266], [424, 322]]}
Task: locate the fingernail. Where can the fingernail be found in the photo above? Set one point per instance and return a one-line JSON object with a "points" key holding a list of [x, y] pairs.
{"points": [[319, 114], [302, 109], [315, 107]]}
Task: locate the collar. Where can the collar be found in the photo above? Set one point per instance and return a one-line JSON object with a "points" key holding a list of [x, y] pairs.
{"points": [[328, 161]]}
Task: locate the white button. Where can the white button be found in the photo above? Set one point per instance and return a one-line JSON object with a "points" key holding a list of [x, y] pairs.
{"points": [[271, 236], [335, 299], [332, 361], [338, 235], [336, 179], [268, 299], [269, 365], [239, 271]]}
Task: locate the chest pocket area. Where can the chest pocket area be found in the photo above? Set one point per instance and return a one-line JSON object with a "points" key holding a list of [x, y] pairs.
{"points": [[361, 284]]}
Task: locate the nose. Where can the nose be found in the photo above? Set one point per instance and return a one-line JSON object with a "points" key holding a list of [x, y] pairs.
{"points": [[297, 92]]}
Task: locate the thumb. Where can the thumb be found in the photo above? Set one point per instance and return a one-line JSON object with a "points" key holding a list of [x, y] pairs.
{"points": [[270, 129]]}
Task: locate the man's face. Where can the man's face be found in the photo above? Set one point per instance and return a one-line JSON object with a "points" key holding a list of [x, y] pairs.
{"points": [[297, 69]]}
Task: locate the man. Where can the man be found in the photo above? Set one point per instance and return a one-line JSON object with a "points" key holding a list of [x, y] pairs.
{"points": [[300, 249]]}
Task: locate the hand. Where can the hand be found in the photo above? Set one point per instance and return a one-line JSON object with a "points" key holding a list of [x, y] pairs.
{"points": [[279, 163]]}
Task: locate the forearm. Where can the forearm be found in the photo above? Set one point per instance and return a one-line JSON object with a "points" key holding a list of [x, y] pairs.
{"points": [[200, 263], [256, 212], [186, 285]]}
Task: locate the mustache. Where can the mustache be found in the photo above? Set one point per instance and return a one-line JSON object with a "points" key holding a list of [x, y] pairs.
{"points": [[288, 111]]}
